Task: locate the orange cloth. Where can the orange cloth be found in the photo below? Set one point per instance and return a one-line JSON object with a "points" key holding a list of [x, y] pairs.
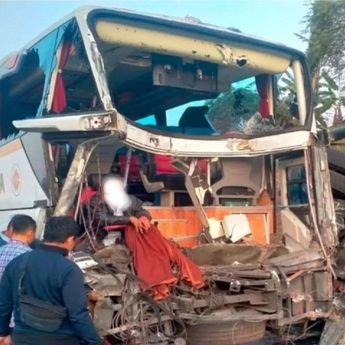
{"points": [[153, 259]]}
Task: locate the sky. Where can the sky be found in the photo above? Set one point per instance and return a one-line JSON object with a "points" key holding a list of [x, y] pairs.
{"points": [[275, 20]]}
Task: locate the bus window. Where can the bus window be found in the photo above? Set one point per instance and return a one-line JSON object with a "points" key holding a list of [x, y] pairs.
{"points": [[24, 94], [53, 77], [225, 103], [72, 87], [147, 121], [286, 106], [21, 93], [296, 185]]}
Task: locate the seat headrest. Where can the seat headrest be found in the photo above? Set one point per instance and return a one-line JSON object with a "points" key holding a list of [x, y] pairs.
{"points": [[95, 181], [194, 117]]}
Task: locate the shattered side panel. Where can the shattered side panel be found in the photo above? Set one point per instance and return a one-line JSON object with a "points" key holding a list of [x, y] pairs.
{"points": [[69, 191], [98, 121], [324, 197], [95, 60]]}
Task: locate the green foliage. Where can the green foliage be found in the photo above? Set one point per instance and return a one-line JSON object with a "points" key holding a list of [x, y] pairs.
{"points": [[286, 104], [325, 28], [329, 96], [287, 83], [325, 34], [282, 113]]}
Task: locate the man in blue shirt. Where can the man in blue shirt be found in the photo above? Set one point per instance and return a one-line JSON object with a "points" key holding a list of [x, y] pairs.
{"points": [[46, 275], [6, 235], [4, 239], [23, 230]]}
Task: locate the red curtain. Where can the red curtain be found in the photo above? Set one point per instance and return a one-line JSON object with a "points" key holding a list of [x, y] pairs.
{"points": [[262, 85], [59, 98]]}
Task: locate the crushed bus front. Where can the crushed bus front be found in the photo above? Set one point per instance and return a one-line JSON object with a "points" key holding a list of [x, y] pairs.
{"points": [[214, 130]]}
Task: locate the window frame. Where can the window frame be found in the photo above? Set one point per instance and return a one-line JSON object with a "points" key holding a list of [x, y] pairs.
{"points": [[283, 165]]}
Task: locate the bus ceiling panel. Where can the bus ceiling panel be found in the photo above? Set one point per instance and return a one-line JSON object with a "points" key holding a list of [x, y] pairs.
{"points": [[154, 39]]}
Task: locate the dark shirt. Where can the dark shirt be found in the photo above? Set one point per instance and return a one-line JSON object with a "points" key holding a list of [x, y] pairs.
{"points": [[53, 278], [35, 243], [102, 215]]}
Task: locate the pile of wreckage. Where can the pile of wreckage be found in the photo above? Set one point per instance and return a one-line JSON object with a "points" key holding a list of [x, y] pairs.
{"points": [[245, 286]]}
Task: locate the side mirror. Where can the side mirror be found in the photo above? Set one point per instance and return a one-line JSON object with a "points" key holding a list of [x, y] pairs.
{"points": [[336, 133]]}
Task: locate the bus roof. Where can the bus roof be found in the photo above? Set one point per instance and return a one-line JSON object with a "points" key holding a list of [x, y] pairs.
{"points": [[188, 24]]}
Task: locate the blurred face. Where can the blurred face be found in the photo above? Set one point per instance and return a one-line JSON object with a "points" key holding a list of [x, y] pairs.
{"points": [[113, 187], [115, 195]]}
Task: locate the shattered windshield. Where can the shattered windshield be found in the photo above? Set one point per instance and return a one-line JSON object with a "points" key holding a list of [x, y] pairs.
{"points": [[179, 94], [245, 107]]}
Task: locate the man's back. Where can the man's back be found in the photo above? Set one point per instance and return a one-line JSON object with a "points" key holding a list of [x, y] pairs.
{"points": [[46, 270], [50, 277]]}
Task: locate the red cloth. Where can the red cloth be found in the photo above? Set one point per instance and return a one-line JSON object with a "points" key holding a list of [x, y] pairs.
{"points": [[59, 100], [262, 85], [164, 165], [154, 257], [134, 167], [87, 194], [232, 132]]}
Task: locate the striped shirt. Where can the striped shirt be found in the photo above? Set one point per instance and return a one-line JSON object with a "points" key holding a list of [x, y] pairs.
{"points": [[10, 251]]}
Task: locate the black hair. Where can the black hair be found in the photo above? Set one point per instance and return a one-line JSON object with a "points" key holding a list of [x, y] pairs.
{"points": [[21, 223], [59, 229]]}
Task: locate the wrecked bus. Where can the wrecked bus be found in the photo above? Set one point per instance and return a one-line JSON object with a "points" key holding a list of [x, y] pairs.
{"points": [[214, 131]]}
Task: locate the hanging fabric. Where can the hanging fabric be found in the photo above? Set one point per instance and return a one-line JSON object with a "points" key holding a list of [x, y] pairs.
{"points": [[262, 85], [59, 98], [159, 263]]}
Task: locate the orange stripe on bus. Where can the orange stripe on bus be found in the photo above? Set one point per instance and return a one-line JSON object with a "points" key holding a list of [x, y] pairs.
{"points": [[11, 147]]}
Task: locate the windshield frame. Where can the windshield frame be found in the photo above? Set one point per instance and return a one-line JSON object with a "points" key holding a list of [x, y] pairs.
{"points": [[214, 34]]}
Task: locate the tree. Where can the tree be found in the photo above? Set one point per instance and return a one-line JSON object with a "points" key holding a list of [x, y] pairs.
{"points": [[325, 34], [331, 96], [286, 103]]}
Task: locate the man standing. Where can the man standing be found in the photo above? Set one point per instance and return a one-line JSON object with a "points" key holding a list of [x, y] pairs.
{"points": [[23, 230], [47, 293]]}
